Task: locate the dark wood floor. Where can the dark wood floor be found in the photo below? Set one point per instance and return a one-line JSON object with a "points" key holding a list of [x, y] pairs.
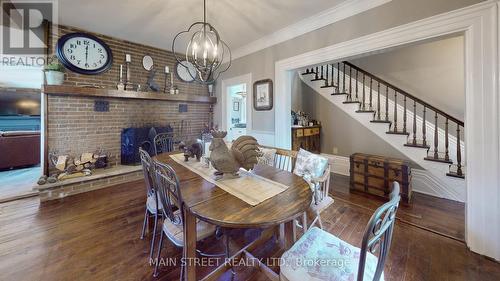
{"points": [[95, 236]]}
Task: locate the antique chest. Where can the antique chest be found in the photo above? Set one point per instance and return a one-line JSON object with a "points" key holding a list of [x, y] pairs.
{"points": [[374, 174], [307, 138]]}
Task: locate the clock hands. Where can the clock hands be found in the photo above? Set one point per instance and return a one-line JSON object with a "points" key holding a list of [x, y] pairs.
{"points": [[87, 54]]}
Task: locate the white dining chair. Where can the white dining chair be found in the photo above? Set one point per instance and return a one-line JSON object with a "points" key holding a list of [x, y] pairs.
{"points": [[319, 255]]}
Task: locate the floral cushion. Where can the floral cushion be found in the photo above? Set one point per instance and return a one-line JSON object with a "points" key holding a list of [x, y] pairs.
{"points": [[319, 255], [309, 164], [266, 156]]}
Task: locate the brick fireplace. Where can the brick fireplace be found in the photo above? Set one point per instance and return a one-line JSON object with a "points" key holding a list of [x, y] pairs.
{"points": [[71, 125]]}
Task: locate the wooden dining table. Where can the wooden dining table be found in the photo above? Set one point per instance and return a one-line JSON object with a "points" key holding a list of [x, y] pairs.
{"points": [[205, 201]]}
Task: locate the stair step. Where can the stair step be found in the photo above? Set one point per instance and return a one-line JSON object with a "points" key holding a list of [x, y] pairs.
{"points": [[351, 101], [365, 111], [381, 121], [440, 160], [419, 145], [455, 175], [319, 79], [330, 86], [307, 73], [397, 133], [338, 94]]}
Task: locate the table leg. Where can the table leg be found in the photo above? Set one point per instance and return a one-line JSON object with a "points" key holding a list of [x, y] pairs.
{"points": [[286, 234], [189, 251]]}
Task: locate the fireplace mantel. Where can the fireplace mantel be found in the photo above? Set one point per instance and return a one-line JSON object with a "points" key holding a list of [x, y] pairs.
{"points": [[65, 90]]}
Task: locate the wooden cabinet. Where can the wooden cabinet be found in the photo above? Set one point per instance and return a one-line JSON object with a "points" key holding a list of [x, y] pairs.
{"points": [[374, 174], [308, 138]]}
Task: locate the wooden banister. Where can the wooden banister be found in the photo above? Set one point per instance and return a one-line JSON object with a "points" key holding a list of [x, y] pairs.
{"points": [[404, 93]]}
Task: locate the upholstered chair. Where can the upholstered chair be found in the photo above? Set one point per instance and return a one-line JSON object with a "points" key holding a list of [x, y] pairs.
{"points": [[319, 255]]}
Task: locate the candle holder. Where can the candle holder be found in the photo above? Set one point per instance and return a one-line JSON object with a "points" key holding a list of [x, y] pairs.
{"points": [[128, 85], [172, 87], [120, 86]]}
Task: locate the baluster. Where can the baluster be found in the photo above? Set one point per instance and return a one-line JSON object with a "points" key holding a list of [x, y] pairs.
{"points": [[378, 100], [338, 77], [350, 83], [436, 156], [386, 103], [343, 79], [317, 74], [446, 144], [371, 90], [326, 76], [404, 114], [357, 99], [363, 104], [459, 153], [414, 122], [333, 80], [322, 72], [395, 111], [424, 138]]}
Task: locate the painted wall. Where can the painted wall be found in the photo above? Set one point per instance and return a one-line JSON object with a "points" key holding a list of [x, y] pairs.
{"points": [[397, 12], [340, 134], [432, 71]]}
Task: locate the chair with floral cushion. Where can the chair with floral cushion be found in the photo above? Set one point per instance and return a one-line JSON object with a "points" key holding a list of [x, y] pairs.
{"points": [[315, 169], [319, 255]]}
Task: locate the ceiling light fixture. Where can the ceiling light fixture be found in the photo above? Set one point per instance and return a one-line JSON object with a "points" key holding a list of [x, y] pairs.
{"points": [[205, 51]]}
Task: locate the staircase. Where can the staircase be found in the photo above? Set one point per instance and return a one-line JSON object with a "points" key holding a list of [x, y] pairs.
{"points": [[425, 134]]}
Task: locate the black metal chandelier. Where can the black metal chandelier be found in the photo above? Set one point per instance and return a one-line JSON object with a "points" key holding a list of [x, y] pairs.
{"points": [[205, 51]]}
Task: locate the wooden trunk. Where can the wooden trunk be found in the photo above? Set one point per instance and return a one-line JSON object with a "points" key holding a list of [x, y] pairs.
{"points": [[307, 138], [374, 174]]}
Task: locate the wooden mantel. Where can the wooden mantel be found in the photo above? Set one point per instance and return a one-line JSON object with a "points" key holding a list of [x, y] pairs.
{"points": [[109, 93]]}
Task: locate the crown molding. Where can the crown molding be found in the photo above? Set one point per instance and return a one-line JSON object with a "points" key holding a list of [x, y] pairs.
{"points": [[337, 13]]}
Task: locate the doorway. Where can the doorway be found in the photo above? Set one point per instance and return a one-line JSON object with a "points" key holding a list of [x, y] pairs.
{"points": [[236, 106]]}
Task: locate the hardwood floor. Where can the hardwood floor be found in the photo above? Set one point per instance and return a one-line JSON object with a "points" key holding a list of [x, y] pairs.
{"points": [[18, 182], [95, 236]]}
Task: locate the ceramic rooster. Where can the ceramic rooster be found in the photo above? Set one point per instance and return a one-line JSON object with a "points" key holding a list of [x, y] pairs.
{"points": [[243, 154]]}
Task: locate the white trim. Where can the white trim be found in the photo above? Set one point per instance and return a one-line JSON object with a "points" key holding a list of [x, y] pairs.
{"points": [[425, 182], [242, 79], [338, 164], [337, 13], [479, 23]]}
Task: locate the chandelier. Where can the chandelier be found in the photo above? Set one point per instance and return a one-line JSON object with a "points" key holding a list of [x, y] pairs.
{"points": [[205, 51]]}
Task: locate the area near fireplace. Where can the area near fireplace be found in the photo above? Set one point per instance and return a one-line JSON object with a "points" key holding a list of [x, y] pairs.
{"points": [[72, 126]]}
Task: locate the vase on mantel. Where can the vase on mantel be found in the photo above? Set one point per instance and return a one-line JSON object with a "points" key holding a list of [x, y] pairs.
{"points": [[54, 77]]}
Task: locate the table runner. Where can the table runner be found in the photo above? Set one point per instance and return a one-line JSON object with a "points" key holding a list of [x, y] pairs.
{"points": [[249, 187]]}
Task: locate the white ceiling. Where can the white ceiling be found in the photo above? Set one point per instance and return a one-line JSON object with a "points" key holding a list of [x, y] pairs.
{"points": [[156, 22]]}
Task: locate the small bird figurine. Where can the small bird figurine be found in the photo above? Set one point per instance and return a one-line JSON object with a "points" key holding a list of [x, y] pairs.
{"points": [[243, 154]]}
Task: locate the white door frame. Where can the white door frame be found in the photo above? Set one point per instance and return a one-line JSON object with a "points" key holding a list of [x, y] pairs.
{"points": [[246, 78], [479, 24]]}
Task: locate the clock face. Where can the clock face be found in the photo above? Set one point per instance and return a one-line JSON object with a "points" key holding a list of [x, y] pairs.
{"points": [[84, 53]]}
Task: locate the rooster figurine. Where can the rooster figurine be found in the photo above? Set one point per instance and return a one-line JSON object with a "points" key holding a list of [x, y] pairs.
{"points": [[243, 154]]}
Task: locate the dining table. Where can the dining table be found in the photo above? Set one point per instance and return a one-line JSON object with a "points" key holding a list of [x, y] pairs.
{"points": [[205, 201]]}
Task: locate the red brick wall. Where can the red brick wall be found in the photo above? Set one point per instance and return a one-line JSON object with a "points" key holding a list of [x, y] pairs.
{"points": [[73, 127]]}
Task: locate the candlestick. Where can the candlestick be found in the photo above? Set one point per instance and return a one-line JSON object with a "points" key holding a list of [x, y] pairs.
{"points": [[128, 58], [128, 85], [166, 69], [166, 80], [121, 72]]}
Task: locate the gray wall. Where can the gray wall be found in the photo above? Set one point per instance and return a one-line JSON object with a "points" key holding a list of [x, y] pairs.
{"points": [[338, 129], [432, 71], [392, 14]]}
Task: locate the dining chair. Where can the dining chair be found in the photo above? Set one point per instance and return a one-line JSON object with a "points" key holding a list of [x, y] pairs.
{"points": [[170, 197], [164, 142], [340, 260], [153, 206]]}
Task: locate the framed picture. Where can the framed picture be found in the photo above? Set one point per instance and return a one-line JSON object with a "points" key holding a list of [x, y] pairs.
{"points": [[236, 106], [263, 94]]}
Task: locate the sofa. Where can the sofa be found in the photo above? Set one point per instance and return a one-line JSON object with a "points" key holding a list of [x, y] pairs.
{"points": [[19, 149]]}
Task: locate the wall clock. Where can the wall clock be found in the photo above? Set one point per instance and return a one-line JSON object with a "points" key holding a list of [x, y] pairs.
{"points": [[84, 53], [185, 71]]}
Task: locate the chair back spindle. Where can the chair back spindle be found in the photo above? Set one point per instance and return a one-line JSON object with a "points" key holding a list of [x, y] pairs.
{"points": [[164, 142], [169, 193], [147, 169]]}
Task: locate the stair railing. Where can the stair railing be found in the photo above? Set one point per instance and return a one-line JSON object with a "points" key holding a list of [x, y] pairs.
{"points": [[379, 117]]}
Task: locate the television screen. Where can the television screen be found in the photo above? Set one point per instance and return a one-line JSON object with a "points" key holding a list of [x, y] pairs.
{"points": [[19, 103]]}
